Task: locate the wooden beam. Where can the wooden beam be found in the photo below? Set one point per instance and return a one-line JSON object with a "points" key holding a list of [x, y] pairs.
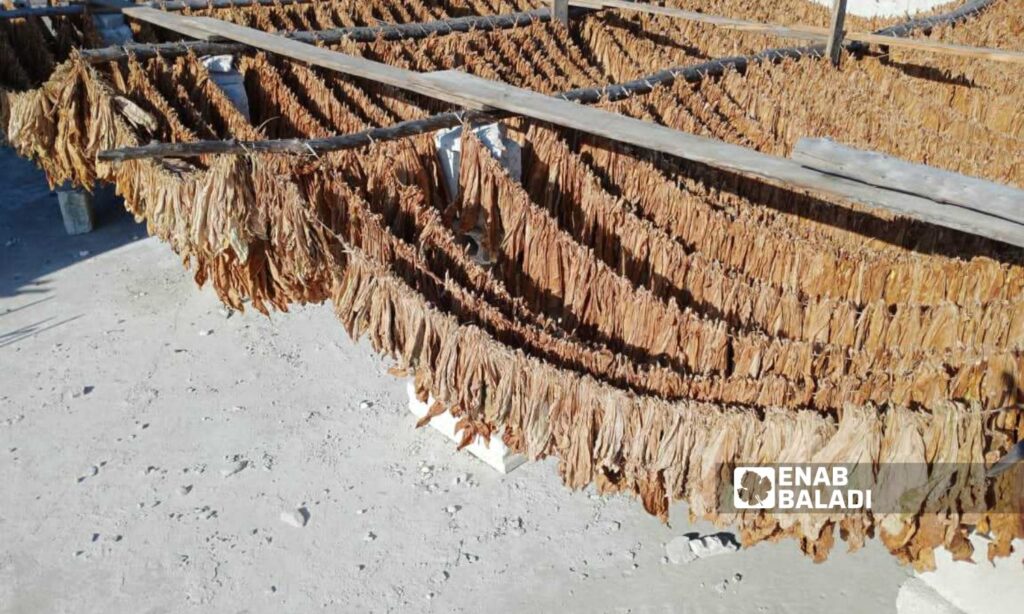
{"points": [[812, 33], [653, 9], [169, 21], [402, 31], [834, 46], [892, 173], [144, 51], [747, 162], [923, 44], [178, 5], [560, 11]]}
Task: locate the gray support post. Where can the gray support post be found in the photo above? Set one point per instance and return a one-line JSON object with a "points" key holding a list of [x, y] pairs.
{"points": [[76, 210], [834, 48], [560, 11]]}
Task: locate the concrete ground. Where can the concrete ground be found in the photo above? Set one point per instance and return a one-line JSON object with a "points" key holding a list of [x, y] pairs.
{"points": [[155, 449]]}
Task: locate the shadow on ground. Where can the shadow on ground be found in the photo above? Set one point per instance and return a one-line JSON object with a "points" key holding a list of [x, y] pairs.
{"points": [[33, 243]]}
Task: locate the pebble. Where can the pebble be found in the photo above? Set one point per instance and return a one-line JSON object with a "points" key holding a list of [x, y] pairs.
{"points": [[296, 518], [371, 536], [227, 312], [361, 512], [683, 549], [94, 470], [79, 392], [452, 509], [365, 405], [184, 490], [205, 333], [515, 526], [233, 469]]}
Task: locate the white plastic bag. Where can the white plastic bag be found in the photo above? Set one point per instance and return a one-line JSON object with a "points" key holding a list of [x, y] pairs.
{"points": [[229, 80]]}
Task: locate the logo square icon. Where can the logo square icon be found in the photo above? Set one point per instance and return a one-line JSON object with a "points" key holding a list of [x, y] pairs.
{"points": [[753, 488]]}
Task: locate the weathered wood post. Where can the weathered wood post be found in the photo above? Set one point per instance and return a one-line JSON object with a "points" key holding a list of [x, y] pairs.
{"points": [[560, 11], [76, 209], [834, 48]]}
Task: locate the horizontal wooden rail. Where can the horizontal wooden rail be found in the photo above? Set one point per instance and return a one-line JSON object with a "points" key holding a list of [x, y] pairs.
{"points": [[291, 146], [810, 32]]}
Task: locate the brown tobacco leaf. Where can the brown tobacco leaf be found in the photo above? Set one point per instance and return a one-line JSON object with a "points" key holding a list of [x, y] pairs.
{"points": [[652, 493], [436, 409]]}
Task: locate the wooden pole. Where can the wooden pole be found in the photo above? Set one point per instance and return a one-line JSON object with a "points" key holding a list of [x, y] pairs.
{"points": [[41, 11], [560, 11], [834, 47], [291, 146]]}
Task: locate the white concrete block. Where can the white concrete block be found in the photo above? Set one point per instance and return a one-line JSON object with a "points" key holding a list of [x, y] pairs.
{"points": [[494, 452], [916, 597], [981, 587]]}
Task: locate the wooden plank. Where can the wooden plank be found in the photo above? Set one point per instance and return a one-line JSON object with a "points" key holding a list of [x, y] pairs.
{"points": [[812, 33], [892, 173], [921, 44], [747, 162], [178, 5], [169, 21], [112, 4], [654, 9], [834, 46]]}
